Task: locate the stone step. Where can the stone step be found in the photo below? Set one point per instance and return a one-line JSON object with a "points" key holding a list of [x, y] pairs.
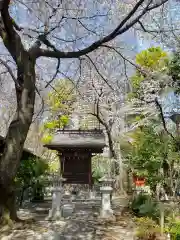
{"points": [[120, 201]]}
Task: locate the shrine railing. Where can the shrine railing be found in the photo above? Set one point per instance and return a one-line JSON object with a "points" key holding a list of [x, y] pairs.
{"points": [[88, 132]]}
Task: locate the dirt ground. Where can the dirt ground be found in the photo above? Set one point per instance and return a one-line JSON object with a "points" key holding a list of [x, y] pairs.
{"points": [[84, 224]]}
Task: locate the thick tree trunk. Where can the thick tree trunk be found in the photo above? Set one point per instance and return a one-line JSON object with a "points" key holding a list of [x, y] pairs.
{"points": [[22, 196], [115, 164], [8, 206], [17, 133], [11, 206]]}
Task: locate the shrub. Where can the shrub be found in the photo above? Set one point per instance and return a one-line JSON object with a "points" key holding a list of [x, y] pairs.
{"points": [[29, 173], [174, 229], [144, 206], [37, 191], [147, 229], [97, 174]]}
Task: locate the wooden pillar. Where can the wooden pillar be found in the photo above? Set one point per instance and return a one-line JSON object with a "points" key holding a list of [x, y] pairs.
{"points": [[62, 163], [90, 171]]}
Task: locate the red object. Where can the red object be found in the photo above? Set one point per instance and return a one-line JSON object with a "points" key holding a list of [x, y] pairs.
{"points": [[139, 181]]}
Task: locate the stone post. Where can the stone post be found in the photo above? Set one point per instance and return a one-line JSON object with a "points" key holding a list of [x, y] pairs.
{"points": [[55, 212], [92, 194], [67, 207], [106, 191]]}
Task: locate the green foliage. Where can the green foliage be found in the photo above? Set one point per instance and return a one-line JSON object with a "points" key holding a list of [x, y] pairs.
{"points": [[140, 173], [29, 177], [100, 166], [54, 165], [135, 118], [147, 229], [61, 102], [47, 138], [37, 191], [30, 169], [136, 80], [131, 95], [151, 59], [174, 228], [97, 175], [58, 123], [146, 154], [62, 98], [143, 206], [174, 71], [151, 151]]}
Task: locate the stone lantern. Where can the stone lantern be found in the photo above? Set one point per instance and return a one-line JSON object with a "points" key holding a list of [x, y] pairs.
{"points": [[55, 212], [106, 191]]}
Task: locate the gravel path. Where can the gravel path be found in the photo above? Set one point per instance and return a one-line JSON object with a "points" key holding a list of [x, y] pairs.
{"points": [[83, 225]]}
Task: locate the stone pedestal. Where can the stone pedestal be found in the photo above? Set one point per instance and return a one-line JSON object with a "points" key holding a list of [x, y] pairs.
{"points": [[67, 198], [106, 210], [67, 206], [55, 213], [67, 210], [92, 194], [106, 191]]}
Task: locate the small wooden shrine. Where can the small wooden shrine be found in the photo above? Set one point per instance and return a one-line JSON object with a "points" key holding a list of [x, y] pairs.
{"points": [[75, 149]]}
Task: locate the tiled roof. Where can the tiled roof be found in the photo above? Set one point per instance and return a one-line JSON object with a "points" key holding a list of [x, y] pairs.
{"points": [[71, 139]]}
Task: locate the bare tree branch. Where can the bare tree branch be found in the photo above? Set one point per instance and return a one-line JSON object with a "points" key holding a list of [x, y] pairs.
{"points": [[97, 70], [42, 105], [86, 17], [8, 34], [163, 120], [85, 27], [10, 72], [55, 75], [120, 29], [144, 71]]}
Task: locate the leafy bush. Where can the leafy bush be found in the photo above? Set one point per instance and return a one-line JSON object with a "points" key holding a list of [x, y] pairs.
{"points": [[174, 71], [174, 228], [29, 170], [97, 174], [37, 191], [152, 59], [144, 206], [28, 175], [147, 229]]}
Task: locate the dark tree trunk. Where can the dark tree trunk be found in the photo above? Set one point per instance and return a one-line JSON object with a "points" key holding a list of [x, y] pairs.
{"points": [[17, 134], [11, 206], [22, 196], [115, 164], [8, 205]]}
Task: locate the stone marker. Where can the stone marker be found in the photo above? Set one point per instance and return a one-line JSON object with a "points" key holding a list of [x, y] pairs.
{"points": [[57, 192], [106, 191]]}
